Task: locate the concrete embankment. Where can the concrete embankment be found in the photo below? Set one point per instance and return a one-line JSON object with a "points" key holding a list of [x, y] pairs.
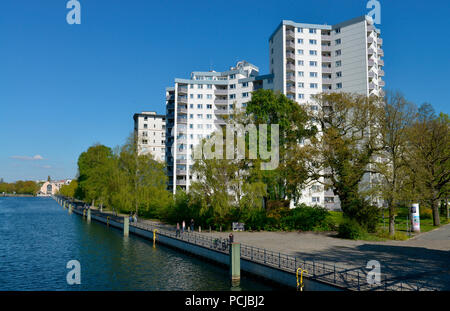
{"points": [[204, 247]]}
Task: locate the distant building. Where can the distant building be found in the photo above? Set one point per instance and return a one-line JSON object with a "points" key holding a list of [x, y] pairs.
{"points": [[49, 188], [150, 130]]}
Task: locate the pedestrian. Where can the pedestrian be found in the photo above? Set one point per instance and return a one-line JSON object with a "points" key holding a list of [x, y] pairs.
{"points": [[192, 225], [178, 230], [183, 226], [231, 238], [130, 218], [135, 217]]}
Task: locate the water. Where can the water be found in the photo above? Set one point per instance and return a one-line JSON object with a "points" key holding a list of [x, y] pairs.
{"points": [[38, 237]]}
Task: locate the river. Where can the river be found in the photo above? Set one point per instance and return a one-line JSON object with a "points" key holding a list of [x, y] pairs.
{"points": [[38, 237]]}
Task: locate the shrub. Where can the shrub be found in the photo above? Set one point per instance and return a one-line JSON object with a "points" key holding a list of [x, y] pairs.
{"points": [[305, 218], [350, 229]]}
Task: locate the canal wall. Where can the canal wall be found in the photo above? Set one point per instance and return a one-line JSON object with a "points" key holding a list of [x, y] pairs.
{"points": [[272, 274]]}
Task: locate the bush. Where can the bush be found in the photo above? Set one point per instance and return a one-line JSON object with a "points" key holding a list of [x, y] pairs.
{"points": [[350, 229], [305, 218]]}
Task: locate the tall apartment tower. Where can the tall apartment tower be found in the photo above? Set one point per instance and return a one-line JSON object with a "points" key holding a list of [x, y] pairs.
{"points": [[150, 130], [195, 108], [307, 59]]}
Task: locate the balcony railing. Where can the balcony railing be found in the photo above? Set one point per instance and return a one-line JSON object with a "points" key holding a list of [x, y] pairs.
{"points": [[380, 62], [380, 52], [326, 37], [182, 89], [182, 99], [381, 83], [290, 77], [221, 112], [290, 33], [290, 44], [219, 121], [181, 172], [370, 51], [370, 28], [327, 81], [381, 73], [182, 120], [326, 70], [182, 110], [326, 48], [290, 89], [370, 40], [326, 59], [181, 161], [370, 63], [181, 182], [221, 102], [290, 55], [379, 41], [290, 67], [371, 86], [220, 91]]}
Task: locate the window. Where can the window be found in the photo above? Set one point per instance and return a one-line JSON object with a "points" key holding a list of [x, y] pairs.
{"points": [[200, 116], [245, 84], [199, 96], [313, 74], [209, 106], [338, 41], [191, 116], [316, 199], [200, 86], [339, 85], [312, 41], [209, 86], [145, 118], [199, 106], [232, 86], [338, 52], [301, 73], [300, 41], [301, 96], [312, 30], [191, 86], [313, 85], [232, 96], [191, 126], [145, 126], [337, 30], [191, 106], [300, 62], [313, 63], [300, 52], [338, 63], [199, 126], [233, 76], [314, 108], [209, 96], [329, 199], [339, 74], [301, 85], [245, 94], [299, 29], [312, 52], [191, 96]]}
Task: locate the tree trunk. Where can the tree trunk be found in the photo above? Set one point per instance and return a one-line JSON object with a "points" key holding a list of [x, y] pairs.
{"points": [[436, 220], [391, 223]]}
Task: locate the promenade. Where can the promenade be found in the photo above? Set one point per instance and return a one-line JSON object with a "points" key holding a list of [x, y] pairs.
{"points": [[420, 263]]}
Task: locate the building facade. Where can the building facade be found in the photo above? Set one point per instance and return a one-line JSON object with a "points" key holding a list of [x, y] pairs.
{"points": [[150, 130], [195, 108], [306, 59]]}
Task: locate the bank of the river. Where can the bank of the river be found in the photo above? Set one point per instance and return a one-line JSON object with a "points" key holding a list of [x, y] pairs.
{"points": [[39, 238]]}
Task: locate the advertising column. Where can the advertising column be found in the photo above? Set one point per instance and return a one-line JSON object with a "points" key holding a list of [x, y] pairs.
{"points": [[415, 217]]}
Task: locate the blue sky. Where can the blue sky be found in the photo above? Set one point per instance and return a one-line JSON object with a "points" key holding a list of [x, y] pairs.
{"points": [[65, 87]]}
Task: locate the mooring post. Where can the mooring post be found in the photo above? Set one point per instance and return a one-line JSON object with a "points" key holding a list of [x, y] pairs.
{"points": [[199, 229], [70, 208], [64, 204], [235, 261], [89, 215], [126, 226]]}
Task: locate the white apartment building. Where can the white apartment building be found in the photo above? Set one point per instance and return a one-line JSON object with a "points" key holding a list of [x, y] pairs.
{"points": [[195, 108], [150, 130], [307, 59]]}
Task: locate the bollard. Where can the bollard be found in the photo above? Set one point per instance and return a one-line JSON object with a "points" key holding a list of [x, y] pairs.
{"points": [[235, 261], [70, 208], [64, 204], [220, 228], [189, 229], [199, 229], [89, 215], [126, 226]]}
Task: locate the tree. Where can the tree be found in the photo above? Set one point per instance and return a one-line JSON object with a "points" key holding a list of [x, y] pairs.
{"points": [[399, 116], [346, 148], [429, 157], [69, 190]]}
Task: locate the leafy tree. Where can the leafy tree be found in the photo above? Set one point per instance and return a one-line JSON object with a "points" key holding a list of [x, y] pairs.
{"points": [[346, 148], [429, 157], [69, 190]]}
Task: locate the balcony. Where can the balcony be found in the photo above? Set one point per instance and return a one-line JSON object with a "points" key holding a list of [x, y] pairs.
{"points": [[220, 122], [326, 37], [326, 48], [181, 182], [221, 101], [381, 73], [326, 70], [380, 52], [290, 34], [182, 99], [290, 89], [371, 74], [327, 81], [379, 41], [326, 59], [290, 55], [183, 89], [381, 83], [290, 77], [170, 97], [290, 45], [181, 172], [221, 91], [221, 112], [181, 161], [380, 62], [370, 28], [370, 40], [370, 51], [182, 110], [370, 63], [371, 86], [290, 67], [182, 120]]}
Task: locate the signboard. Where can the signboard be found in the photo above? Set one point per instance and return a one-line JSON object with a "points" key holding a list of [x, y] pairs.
{"points": [[415, 217], [238, 226]]}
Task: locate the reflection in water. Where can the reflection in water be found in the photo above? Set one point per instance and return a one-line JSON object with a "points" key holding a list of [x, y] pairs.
{"points": [[39, 237]]}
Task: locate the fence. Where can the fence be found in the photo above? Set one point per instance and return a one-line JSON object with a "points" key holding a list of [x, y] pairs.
{"points": [[348, 278]]}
